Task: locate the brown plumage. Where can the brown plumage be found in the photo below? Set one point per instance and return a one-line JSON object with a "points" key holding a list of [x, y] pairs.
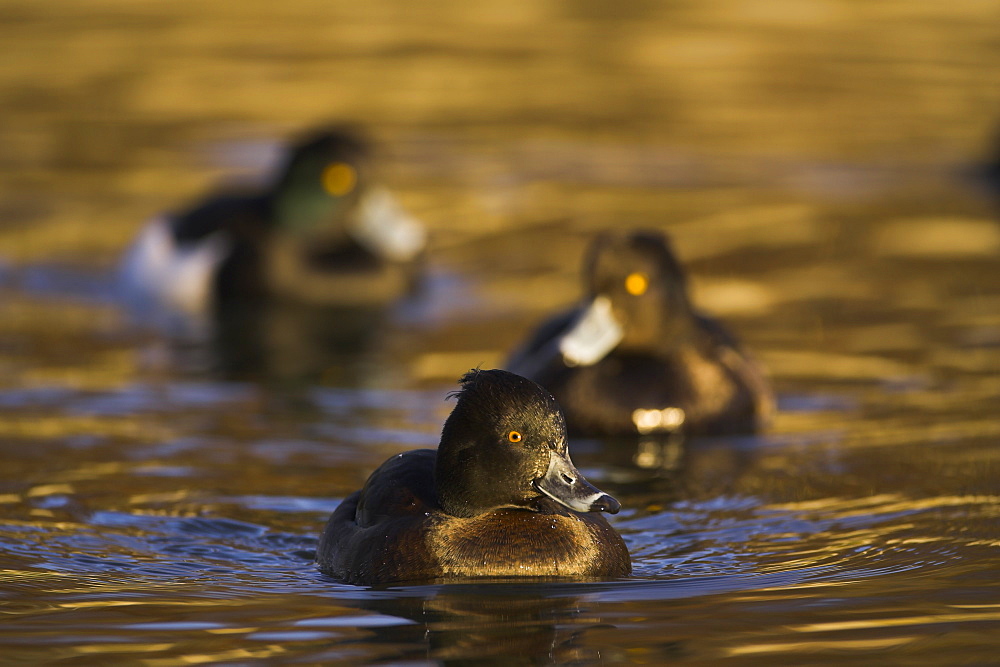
{"points": [[637, 343], [482, 505]]}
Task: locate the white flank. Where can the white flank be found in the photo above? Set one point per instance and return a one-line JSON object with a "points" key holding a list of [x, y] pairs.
{"points": [[161, 277]]}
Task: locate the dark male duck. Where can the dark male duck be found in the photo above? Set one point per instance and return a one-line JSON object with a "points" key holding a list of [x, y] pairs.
{"points": [[499, 498], [636, 357], [324, 233]]}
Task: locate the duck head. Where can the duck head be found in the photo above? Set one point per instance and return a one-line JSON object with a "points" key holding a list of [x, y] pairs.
{"points": [[326, 196], [504, 445], [636, 298]]}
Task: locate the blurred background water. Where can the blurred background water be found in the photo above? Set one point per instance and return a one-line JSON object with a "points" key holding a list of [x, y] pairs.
{"points": [[813, 161]]}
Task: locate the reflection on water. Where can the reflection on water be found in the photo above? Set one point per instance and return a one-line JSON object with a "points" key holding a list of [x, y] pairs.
{"points": [[160, 501]]}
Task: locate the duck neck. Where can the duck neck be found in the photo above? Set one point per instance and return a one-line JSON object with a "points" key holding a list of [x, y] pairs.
{"points": [[465, 489], [662, 337], [455, 491]]}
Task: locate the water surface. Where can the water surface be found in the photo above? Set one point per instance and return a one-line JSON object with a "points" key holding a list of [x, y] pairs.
{"points": [[160, 500]]}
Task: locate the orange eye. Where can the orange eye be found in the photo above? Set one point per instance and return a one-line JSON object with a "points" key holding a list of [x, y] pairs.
{"points": [[636, 284], [514, 436], [339, 178]]}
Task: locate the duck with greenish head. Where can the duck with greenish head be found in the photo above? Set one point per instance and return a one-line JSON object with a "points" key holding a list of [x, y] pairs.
{"points": [[324, 233]]}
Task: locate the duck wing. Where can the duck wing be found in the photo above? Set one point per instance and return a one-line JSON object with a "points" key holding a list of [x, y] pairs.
{"points": [[378, 534]]}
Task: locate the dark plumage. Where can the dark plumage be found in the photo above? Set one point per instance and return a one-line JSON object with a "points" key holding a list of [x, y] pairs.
{"points": [[499, 498], [323, 233], [986, 173], [636, 357]]}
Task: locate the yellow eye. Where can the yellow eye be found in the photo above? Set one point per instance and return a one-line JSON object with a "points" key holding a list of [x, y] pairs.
{"points": [[636, 284], [339, 178], [514, 436]]}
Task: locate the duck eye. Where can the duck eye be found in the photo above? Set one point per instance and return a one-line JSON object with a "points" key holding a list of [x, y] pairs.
{"points": [[636, 284], [514, 436], [339, 178]]}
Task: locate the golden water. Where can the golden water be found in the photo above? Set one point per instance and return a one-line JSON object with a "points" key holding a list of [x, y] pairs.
{"points": [[158, 502]]}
